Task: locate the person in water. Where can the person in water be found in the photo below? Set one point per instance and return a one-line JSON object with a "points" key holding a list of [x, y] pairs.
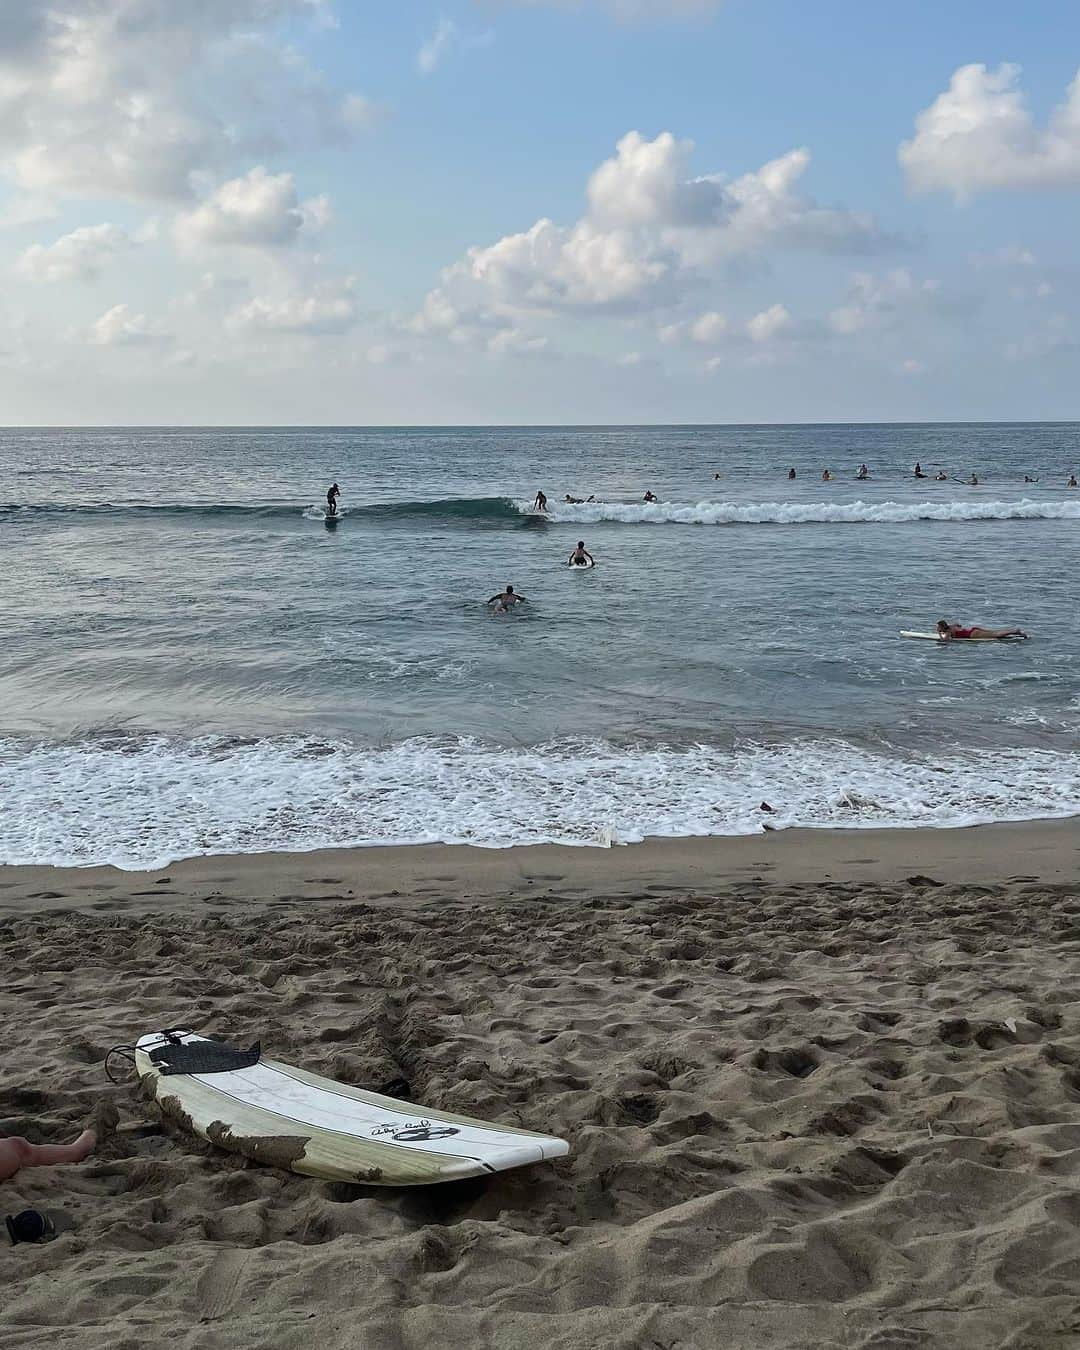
{"points": [[973, 481], [650, 497], [541, 502], [941, 477], [826, 477], [1072, 481], [791, 473], [506, 600], [1028, 478], [331, 500], [573, 501], [918, 470], [863, 473], [581, 555], [947, 631]]}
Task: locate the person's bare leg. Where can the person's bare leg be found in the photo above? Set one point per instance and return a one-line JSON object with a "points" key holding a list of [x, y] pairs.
{"points": [[16, 1153]]}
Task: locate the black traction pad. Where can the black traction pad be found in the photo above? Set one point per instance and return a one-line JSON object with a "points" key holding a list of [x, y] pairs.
{"points": [[204, 1057]]}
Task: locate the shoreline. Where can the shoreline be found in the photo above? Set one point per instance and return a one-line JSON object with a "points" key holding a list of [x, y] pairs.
{"points": [[1047, 851]]}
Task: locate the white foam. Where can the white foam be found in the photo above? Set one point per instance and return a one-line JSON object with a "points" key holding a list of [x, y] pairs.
{"points": [[144, 803], [808, 513]]}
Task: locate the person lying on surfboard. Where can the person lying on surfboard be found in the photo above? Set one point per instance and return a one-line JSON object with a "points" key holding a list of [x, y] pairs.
{"points": [[581, 555], [506, 600], [947, 631]]}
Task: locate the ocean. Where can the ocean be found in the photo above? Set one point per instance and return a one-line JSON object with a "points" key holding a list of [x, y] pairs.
{"points": [[194, 662]]}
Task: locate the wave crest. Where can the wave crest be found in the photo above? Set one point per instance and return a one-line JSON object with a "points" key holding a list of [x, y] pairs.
{"points": [[810, 513]]}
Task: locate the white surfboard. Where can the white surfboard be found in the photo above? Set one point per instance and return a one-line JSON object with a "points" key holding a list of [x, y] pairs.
{"points": [[579, 567], [936, 637], [288, 1118]]}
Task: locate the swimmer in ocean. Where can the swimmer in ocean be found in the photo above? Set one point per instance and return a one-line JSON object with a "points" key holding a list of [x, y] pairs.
{"points": [[791, 473], [948, 631], [331, 500], [506, 600], [581, 555]]}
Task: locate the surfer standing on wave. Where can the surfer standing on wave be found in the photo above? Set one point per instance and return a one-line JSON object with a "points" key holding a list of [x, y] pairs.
{"points": [[506, 600], [331, 500], [541, 502]]}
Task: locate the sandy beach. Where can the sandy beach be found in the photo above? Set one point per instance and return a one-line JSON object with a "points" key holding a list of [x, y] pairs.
{"points": [[821, 1089]]}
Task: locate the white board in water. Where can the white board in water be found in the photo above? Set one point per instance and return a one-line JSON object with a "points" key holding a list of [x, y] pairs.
{"points": [[936, 637], [286, 1117]]}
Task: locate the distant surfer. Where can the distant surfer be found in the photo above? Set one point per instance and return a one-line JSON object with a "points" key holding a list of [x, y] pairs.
{"points": [[541, 502], [863, 474], [791, 474], [331, 500], [1028, 478], [573, 501], [941, 476], [650, 497], [826, 477], [581, 556], [918, 470], [506, 600], [948, 631], [1072, 481], [973, 481]]}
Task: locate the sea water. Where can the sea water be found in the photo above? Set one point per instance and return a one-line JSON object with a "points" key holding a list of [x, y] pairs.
{"points": [[194, 661]]}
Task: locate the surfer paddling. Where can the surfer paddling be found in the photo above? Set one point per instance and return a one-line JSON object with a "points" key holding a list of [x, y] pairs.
{"points": [[581, 557], [949, 631], [506, 600]]}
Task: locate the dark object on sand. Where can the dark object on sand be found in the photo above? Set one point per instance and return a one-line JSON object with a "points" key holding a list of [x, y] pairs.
{"points": [[204, 1057], [29, 1225]]}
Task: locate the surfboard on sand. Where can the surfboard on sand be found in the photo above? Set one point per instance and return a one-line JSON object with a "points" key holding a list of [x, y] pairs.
{"points": [[936, 637], [285, 1117]]}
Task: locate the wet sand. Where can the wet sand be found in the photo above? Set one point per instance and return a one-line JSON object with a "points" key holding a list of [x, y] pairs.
{"points": [[821, 1090]]}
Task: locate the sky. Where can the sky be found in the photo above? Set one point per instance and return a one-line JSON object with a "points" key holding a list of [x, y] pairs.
{"points": [[350, 212]]}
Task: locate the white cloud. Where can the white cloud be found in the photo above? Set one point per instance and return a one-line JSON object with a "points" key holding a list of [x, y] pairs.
{"points": [[257, 210], [979, 135], [81, 255], [883, 301], [119, 327], [328, 309], [770, 325], [436, 47], [514, 342], [133, 99], [708, 329], [651, 234]]}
